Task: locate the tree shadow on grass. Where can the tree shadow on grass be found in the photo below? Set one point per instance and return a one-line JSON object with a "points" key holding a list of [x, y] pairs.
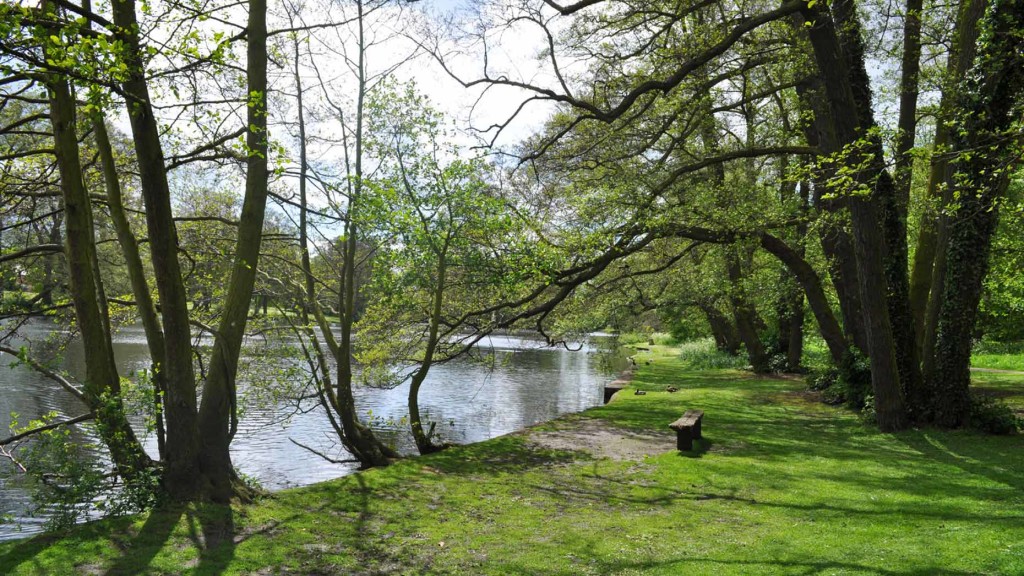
{"points": [[138, 552], [997, 458], [210, 531], [27, 551], [696, 564]]}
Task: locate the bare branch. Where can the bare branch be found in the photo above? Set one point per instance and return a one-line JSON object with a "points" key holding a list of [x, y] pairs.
{"points": [[27, 433], [64, 382], [322, 455], [39, 249]]}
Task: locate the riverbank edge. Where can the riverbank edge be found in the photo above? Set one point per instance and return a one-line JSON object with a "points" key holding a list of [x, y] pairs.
{"points": [[279, 536]]}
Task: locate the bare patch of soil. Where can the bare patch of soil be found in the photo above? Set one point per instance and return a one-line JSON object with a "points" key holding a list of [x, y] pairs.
{"points": [[996, 371], [602, 440]]}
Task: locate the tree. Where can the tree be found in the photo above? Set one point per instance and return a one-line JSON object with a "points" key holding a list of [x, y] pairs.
{"points": [[987, 147], [196, 460], [631, 81], [445, 235]]}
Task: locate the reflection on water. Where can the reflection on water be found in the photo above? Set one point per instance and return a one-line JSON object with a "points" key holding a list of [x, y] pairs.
{"points": [[512, 383]]}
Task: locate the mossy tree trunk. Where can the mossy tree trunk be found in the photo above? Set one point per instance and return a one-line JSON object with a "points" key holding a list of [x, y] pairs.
{"points": [[845, 90], [102, 382], [928, 272], [988, 146]]}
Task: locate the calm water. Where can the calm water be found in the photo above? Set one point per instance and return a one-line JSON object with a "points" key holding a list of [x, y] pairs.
{"points": [[516, 383]]}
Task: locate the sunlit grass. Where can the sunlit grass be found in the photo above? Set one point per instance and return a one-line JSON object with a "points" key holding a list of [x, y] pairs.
{"points": [[998, 361], [780, 485]]}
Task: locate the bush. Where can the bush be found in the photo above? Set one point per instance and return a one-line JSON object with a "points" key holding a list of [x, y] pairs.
{"points": [[662, 339], [855, 377], [848, 384], [986, 346], [778, 363], [704, 355], [68, 483], [992, 416], [823, 380], [868, 411]]}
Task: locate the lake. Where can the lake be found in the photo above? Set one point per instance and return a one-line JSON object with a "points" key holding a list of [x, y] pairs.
{"points": [[513, 382]]}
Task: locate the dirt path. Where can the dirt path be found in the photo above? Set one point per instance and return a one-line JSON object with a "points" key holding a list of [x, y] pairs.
{"points": [[602, 440], [997, 371]]}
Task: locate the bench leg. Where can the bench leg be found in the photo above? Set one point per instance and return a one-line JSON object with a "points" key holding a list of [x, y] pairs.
{"points": [[696, 430], [684, 439]]}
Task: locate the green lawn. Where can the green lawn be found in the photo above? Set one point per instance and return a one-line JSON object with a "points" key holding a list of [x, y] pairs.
{"points": [[781, 485], [999, 355], [1009, 387]]}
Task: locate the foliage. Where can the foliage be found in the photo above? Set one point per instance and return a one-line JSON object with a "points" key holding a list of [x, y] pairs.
{"points": [[68, 483], [848, 384], [1002, 304], [63, 478]]}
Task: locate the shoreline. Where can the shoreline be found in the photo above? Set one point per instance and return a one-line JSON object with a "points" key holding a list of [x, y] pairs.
{"points": [[780, 484]]}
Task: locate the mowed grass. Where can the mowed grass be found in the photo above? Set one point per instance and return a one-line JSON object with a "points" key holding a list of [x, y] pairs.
{"points": [[780, 485], [999, 356], [1008, 387]]}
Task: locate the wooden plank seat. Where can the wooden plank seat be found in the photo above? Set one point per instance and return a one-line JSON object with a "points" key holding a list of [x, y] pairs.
{"points": [[687, 429]]}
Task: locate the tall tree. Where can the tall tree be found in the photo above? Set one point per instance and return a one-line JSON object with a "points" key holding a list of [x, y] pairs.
{"points": [[988, 145]]}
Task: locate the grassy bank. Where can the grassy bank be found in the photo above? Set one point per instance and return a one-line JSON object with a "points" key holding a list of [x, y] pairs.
{"points": [[781, 485]]}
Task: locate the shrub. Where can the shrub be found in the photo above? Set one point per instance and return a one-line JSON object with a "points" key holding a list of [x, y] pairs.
{"points": [[868, 411], [986, 346], [68, 483], [662, 339], [704, 355], [992, 416], [848, 384], [778, 363], [823, 380], [855, 377]]}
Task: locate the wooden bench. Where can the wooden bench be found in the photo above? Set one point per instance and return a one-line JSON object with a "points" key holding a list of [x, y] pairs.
{"points": [[687, 429]]}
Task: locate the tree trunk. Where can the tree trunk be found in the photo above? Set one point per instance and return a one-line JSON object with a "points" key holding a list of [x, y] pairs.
{"points": [[816, 298], [790, 312], [986, 143], [102, 382], [359, 438], [423, 439], [836, 242], [722, 329], [927, 275], [790, 304], [744, 313], [183, 478], [892, 212], [218, 413], [869, 246], [136, 273]]}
